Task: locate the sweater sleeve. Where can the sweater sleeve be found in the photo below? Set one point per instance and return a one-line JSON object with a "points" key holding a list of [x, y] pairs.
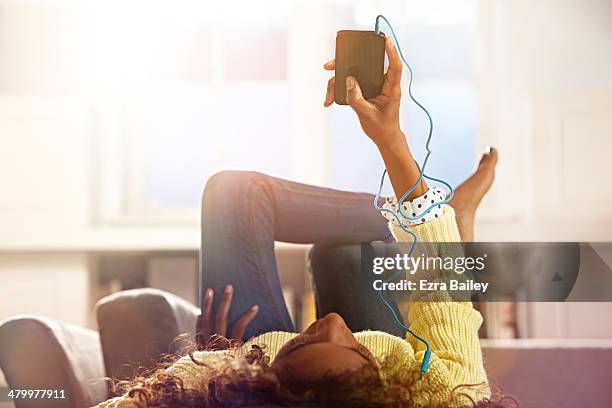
{"points": [[450, 327]]}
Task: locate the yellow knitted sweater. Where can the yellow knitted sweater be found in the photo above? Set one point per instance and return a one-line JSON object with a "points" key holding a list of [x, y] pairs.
{"points": [[451, 328]]}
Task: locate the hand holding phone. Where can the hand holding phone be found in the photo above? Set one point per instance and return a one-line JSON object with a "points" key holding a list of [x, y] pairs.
{"points": [[378, 114]]}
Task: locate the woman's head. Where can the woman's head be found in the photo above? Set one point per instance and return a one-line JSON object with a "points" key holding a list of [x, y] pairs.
{"points": [[326, 349]]}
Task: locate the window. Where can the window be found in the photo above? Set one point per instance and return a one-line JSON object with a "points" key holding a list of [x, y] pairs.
{"points": [[200, 90], [239, 85]]}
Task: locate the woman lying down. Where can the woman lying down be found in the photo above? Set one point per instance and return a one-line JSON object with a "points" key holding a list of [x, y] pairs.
{"points": [[357, 357]]}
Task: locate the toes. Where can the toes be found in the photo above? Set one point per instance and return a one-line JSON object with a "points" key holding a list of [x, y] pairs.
{"points": [[493, 154], [489, 158]]}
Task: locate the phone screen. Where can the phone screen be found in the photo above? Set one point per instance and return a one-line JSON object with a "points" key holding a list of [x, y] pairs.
{"points": [[360, 54]]}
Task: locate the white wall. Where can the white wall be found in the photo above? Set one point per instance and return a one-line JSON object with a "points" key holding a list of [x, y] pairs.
{"points": [[53, 286], [547, 86]]}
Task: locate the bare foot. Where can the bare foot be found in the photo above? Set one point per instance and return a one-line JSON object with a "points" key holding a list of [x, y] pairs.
{"points": [[469, 194]]}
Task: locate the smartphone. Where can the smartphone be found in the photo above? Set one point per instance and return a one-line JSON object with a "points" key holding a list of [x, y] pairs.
{"points": [[360, 54]]}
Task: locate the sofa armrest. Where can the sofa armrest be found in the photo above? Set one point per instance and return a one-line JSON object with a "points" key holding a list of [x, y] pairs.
{"points": [[39, 353], [138, 326]]}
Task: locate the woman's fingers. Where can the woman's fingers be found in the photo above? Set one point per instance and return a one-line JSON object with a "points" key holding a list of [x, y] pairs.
{"points": [[329, 97], [393, 77], [395, 61], [354, 97], [223, 311], [204, 323], [242, 324]]}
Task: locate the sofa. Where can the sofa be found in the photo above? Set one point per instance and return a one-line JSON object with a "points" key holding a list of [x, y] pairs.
{"points": [[137, 326]]}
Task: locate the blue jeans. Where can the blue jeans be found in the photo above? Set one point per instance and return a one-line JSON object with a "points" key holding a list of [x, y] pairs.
{"points": [[243, 213]]}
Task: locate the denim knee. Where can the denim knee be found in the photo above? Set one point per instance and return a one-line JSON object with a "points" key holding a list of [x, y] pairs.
{"points": [[231, 185], [231, 191]]}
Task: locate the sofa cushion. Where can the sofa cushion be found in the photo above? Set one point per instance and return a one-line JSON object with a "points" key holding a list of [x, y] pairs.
{"points": [[138, 326]]}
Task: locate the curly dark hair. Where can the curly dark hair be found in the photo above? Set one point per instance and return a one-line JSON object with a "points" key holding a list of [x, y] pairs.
{"points": [[247, 379]]}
